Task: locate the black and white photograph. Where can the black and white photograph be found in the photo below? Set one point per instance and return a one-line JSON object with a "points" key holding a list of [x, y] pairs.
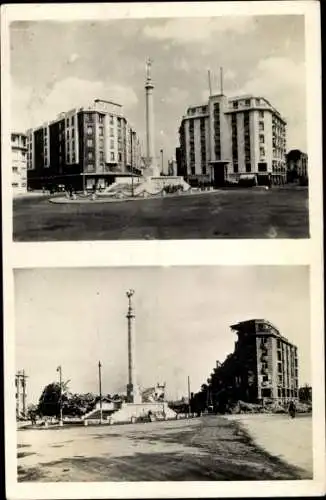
{"points": [[162, 224], [159, 128], [163, 374]]}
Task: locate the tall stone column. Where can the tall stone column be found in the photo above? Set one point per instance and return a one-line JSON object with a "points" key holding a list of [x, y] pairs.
{"points": [[132, 389], [149, 115]]}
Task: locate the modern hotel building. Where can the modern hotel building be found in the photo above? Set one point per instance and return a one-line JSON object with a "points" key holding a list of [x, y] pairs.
{"points": [[229, 139], [85, 147]]}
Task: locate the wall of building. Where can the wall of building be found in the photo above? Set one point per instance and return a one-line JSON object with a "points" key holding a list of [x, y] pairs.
{"points": [[91, 145], [244, 133], [19, 163]]}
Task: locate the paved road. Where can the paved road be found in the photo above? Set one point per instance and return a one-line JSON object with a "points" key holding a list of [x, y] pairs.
{"points": [[239, 213], [203, 449]]}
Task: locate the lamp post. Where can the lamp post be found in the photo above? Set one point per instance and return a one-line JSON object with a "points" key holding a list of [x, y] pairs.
{"points": [[161, 151], [59, 369], [100, 388]]}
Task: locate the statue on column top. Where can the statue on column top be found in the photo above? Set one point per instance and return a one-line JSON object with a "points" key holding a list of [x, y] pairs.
{"points": [[148, 68]]}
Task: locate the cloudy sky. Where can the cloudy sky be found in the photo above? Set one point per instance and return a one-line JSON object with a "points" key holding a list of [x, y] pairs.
{"points": [[56, 66], [76, 317]]}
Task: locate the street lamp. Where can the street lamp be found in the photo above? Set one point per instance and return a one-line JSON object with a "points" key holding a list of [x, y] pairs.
{"points": [[59, 369], [161, 151], [100, 388]]}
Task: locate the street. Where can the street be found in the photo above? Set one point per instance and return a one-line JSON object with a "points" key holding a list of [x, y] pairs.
{"points": [[235, 213], [200, 449]]}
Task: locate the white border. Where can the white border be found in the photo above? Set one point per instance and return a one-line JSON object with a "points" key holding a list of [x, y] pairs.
{"points": [[205, 252]]}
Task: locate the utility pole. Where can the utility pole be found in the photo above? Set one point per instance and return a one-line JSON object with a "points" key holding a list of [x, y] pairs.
{"points": [[189, 408], [100, 388], [24, 393], [162, 164]]}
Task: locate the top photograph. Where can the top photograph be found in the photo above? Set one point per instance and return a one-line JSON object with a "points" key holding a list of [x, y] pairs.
{"points": [[159, 129]]}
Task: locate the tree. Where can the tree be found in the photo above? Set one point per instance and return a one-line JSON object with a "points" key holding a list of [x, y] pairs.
{"points": [[49, 402]]}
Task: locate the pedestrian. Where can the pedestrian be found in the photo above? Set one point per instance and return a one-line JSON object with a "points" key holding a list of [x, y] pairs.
{"points": [[292, 409]]}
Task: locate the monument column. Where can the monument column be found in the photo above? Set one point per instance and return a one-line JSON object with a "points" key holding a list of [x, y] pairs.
{"points": [[149, 115], [132, 390]]}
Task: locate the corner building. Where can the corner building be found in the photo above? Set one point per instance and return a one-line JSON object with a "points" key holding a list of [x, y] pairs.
{"points": [[229, 139], [19, 163], [263, 366], [83, 148]]}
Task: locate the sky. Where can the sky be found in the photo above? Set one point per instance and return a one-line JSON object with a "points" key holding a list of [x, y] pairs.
{"points": [[77, 316], [56, 66]]}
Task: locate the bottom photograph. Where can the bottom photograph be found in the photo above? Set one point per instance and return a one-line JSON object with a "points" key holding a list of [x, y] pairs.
{"points": [[163, 374]]}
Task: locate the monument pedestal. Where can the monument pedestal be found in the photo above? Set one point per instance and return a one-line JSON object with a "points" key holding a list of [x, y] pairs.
{"points": [[132, 411]]}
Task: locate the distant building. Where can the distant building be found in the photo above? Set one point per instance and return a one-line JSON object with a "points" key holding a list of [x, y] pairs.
{"points": [[263, 366], [83, 147], [233, 139], [20, 384], [18, 163], [297, 165]]}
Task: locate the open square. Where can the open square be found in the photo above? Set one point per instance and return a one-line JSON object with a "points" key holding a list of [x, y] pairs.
{"points": [[234, 213]]}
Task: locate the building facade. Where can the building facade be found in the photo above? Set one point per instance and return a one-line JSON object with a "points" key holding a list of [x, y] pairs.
{"points": [[297, 165], [232, 139], [83, 148], [263, 366], [19, 163]]}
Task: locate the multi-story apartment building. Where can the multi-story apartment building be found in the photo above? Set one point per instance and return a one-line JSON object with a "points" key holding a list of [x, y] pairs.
{"points": [[18, 163], [232, 139], [297, 164], [263, 366], [83, 147]]}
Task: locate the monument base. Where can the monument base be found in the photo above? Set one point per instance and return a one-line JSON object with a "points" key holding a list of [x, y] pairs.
{"points": [[131, 412]]}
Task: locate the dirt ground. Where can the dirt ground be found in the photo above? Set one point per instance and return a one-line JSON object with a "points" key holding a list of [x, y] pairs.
{"points": [[203, 449]]}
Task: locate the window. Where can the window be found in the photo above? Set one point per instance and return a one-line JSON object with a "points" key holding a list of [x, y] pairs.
{"points": [[111, 120], [101, 156], [204, 171], [235, 104], [15, 169], [73, 133], [100, 130], [90, 155], [89, 130], [193, 170], [260, 113], [101, 118], [67, 135], [119, 157], [112, 157], [14, 184], [235, 168], [72, 121], [261, 139], [247, 102], [90, 143], [111, 144], [111, 132], [262, 167], [248, 167], [45, 132], [90, 167]]}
